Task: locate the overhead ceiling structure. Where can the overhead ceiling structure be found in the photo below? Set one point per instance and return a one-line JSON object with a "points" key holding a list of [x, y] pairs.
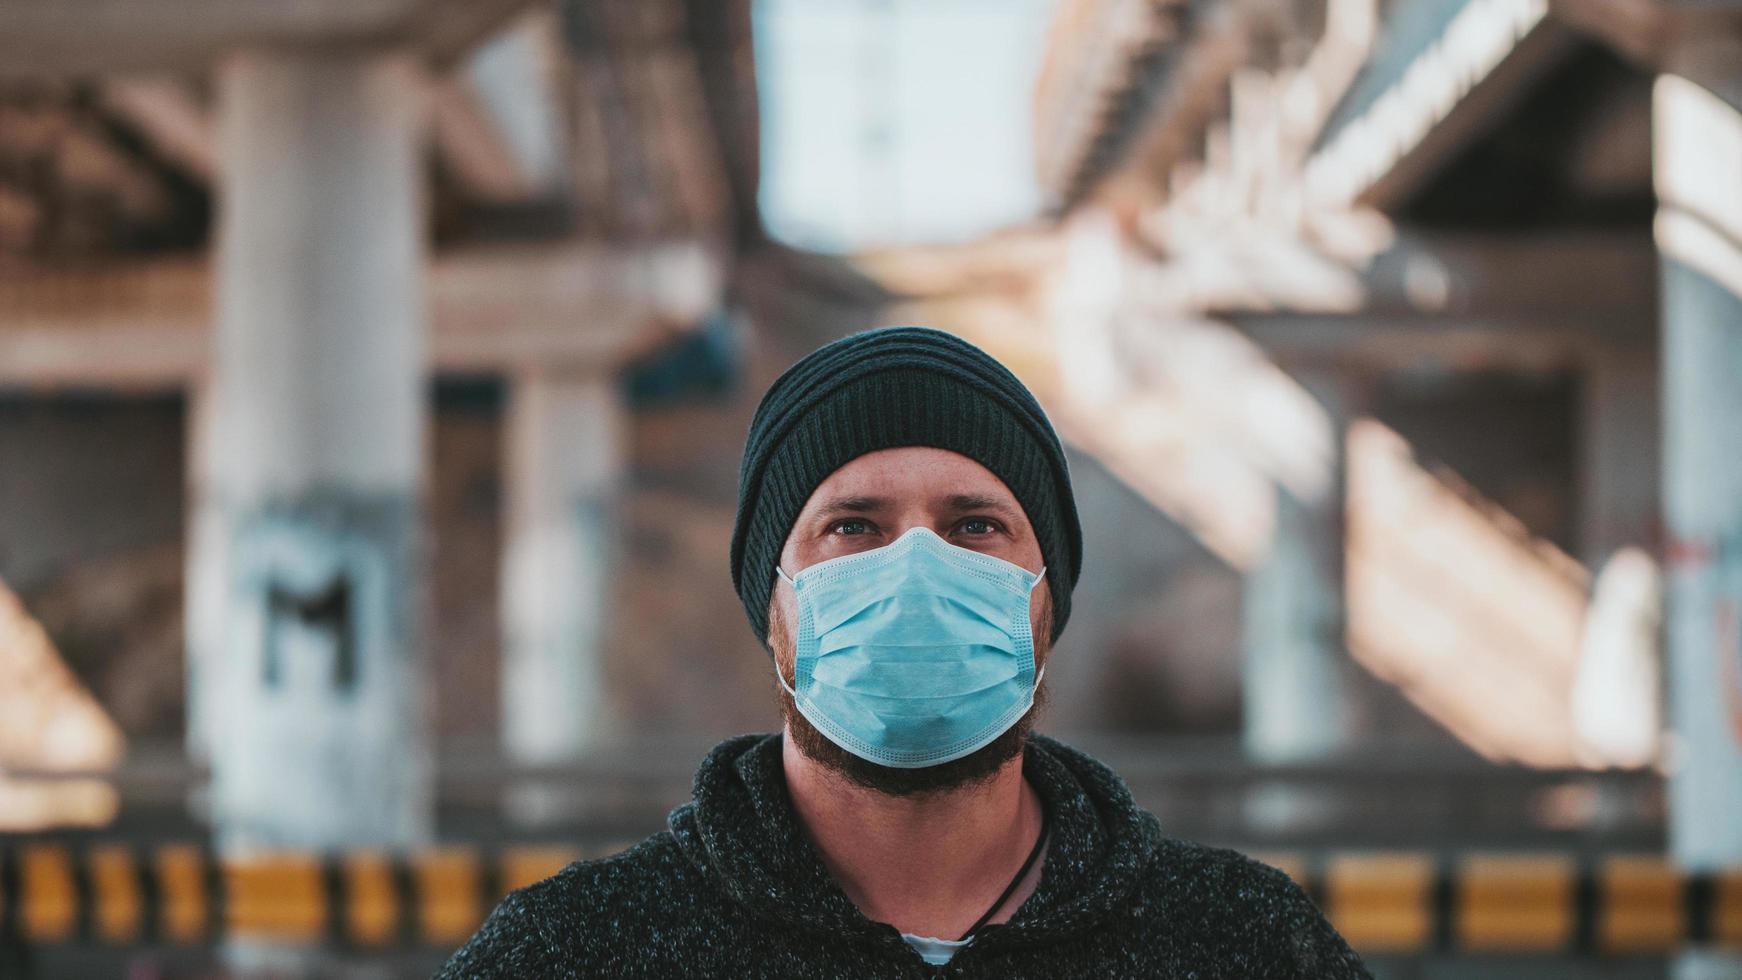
{"points": [[148, 325], [606, 117], [599, 135], [105, 37], [1121, 80], [1381, 108], [1420, 186]]}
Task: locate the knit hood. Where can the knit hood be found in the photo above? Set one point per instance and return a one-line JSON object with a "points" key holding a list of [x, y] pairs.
{"points": [[740, 830]]}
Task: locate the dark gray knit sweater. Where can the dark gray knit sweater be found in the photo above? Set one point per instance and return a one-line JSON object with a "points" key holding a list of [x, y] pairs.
{"points": [[734, 889]]}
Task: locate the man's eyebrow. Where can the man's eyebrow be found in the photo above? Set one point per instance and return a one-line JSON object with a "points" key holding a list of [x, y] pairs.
{"points": [[976, 501], [854, 504]]}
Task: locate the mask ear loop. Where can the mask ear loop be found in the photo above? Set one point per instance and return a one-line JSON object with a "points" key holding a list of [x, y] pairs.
{"points": [[778, 676], [781, 680], [1041, 673]]}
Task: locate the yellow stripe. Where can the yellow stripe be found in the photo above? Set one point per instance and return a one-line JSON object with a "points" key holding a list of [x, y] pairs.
{"points": [[522, 866], [181, 891], [1381, 902], [1727, 908], [448, 892], [277, 896], [117, 909], [1642, 909], [1515, 903], [48, 903], [371, 906]]}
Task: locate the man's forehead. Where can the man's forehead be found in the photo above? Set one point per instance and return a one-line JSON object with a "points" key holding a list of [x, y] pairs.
{"points": [[911, 474], [871, 503]]}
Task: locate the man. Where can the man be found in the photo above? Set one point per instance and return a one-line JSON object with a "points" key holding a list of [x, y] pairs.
{"points": [[902, 502]]}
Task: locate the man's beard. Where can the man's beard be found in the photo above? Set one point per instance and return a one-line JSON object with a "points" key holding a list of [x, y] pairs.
{"points": [[975, 767]]}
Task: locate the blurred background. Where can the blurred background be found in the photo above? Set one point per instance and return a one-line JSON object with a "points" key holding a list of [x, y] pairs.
{"points": [[374, 375]]}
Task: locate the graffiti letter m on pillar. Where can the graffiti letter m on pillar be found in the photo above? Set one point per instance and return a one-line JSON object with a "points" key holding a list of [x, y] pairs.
{"points": [[326, 610]]}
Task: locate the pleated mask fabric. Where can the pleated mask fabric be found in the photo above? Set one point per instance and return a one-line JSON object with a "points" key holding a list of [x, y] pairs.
{"points": [[916, 653]]}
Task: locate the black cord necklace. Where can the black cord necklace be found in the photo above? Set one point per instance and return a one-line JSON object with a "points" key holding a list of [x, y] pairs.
{"points": [[1010, 889]]}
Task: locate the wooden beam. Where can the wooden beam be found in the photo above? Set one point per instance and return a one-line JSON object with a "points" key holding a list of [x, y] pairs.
{"points": [[585, 308]]}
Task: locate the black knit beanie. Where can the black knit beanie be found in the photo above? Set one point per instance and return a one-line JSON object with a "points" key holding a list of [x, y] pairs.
{"points": [[898, 386]]}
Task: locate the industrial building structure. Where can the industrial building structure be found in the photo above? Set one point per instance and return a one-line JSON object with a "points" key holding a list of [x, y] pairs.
{"points": [[372, 379]]}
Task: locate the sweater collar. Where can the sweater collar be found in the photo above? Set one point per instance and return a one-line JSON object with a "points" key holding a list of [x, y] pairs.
{"points": [[742, 831]]}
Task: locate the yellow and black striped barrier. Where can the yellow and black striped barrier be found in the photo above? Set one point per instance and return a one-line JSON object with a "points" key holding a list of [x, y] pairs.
{"points": [[184, 894], [1383, 903], [1511, 903]]}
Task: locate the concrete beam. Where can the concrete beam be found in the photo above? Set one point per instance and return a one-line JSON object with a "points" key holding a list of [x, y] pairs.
{"points": [[473, 145], [496, 119], [1377, 342], [582, 306], [1100, 63], [1475, 300], [98, 37], [515, 81], [1428, 93], [171, 118]]}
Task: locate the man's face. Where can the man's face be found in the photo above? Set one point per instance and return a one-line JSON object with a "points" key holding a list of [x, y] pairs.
{"points": [[869, 503]]}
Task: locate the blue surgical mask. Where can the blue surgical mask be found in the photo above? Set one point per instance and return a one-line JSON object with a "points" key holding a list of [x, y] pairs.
{"points": [[915, 653]]}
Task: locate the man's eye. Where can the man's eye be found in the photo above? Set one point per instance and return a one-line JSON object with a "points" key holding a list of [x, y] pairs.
{"points": [[978, 525], [853, 526]]}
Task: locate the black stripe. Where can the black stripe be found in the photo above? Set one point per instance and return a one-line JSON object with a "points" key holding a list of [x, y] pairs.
{"points": [[15, 954], [1587, 897], [141, 876], [405, 900], [150, 896], [338, 899], [11, 897], [212, 869], [1700, 902], [492, 886], [84, 894], [1443, 896]]}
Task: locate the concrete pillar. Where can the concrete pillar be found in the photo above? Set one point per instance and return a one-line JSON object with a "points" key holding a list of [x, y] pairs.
{"points": [[1697, 168], [319, 379], [1620, 431], [205, 571], [565, 447], [1295, 692]]}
